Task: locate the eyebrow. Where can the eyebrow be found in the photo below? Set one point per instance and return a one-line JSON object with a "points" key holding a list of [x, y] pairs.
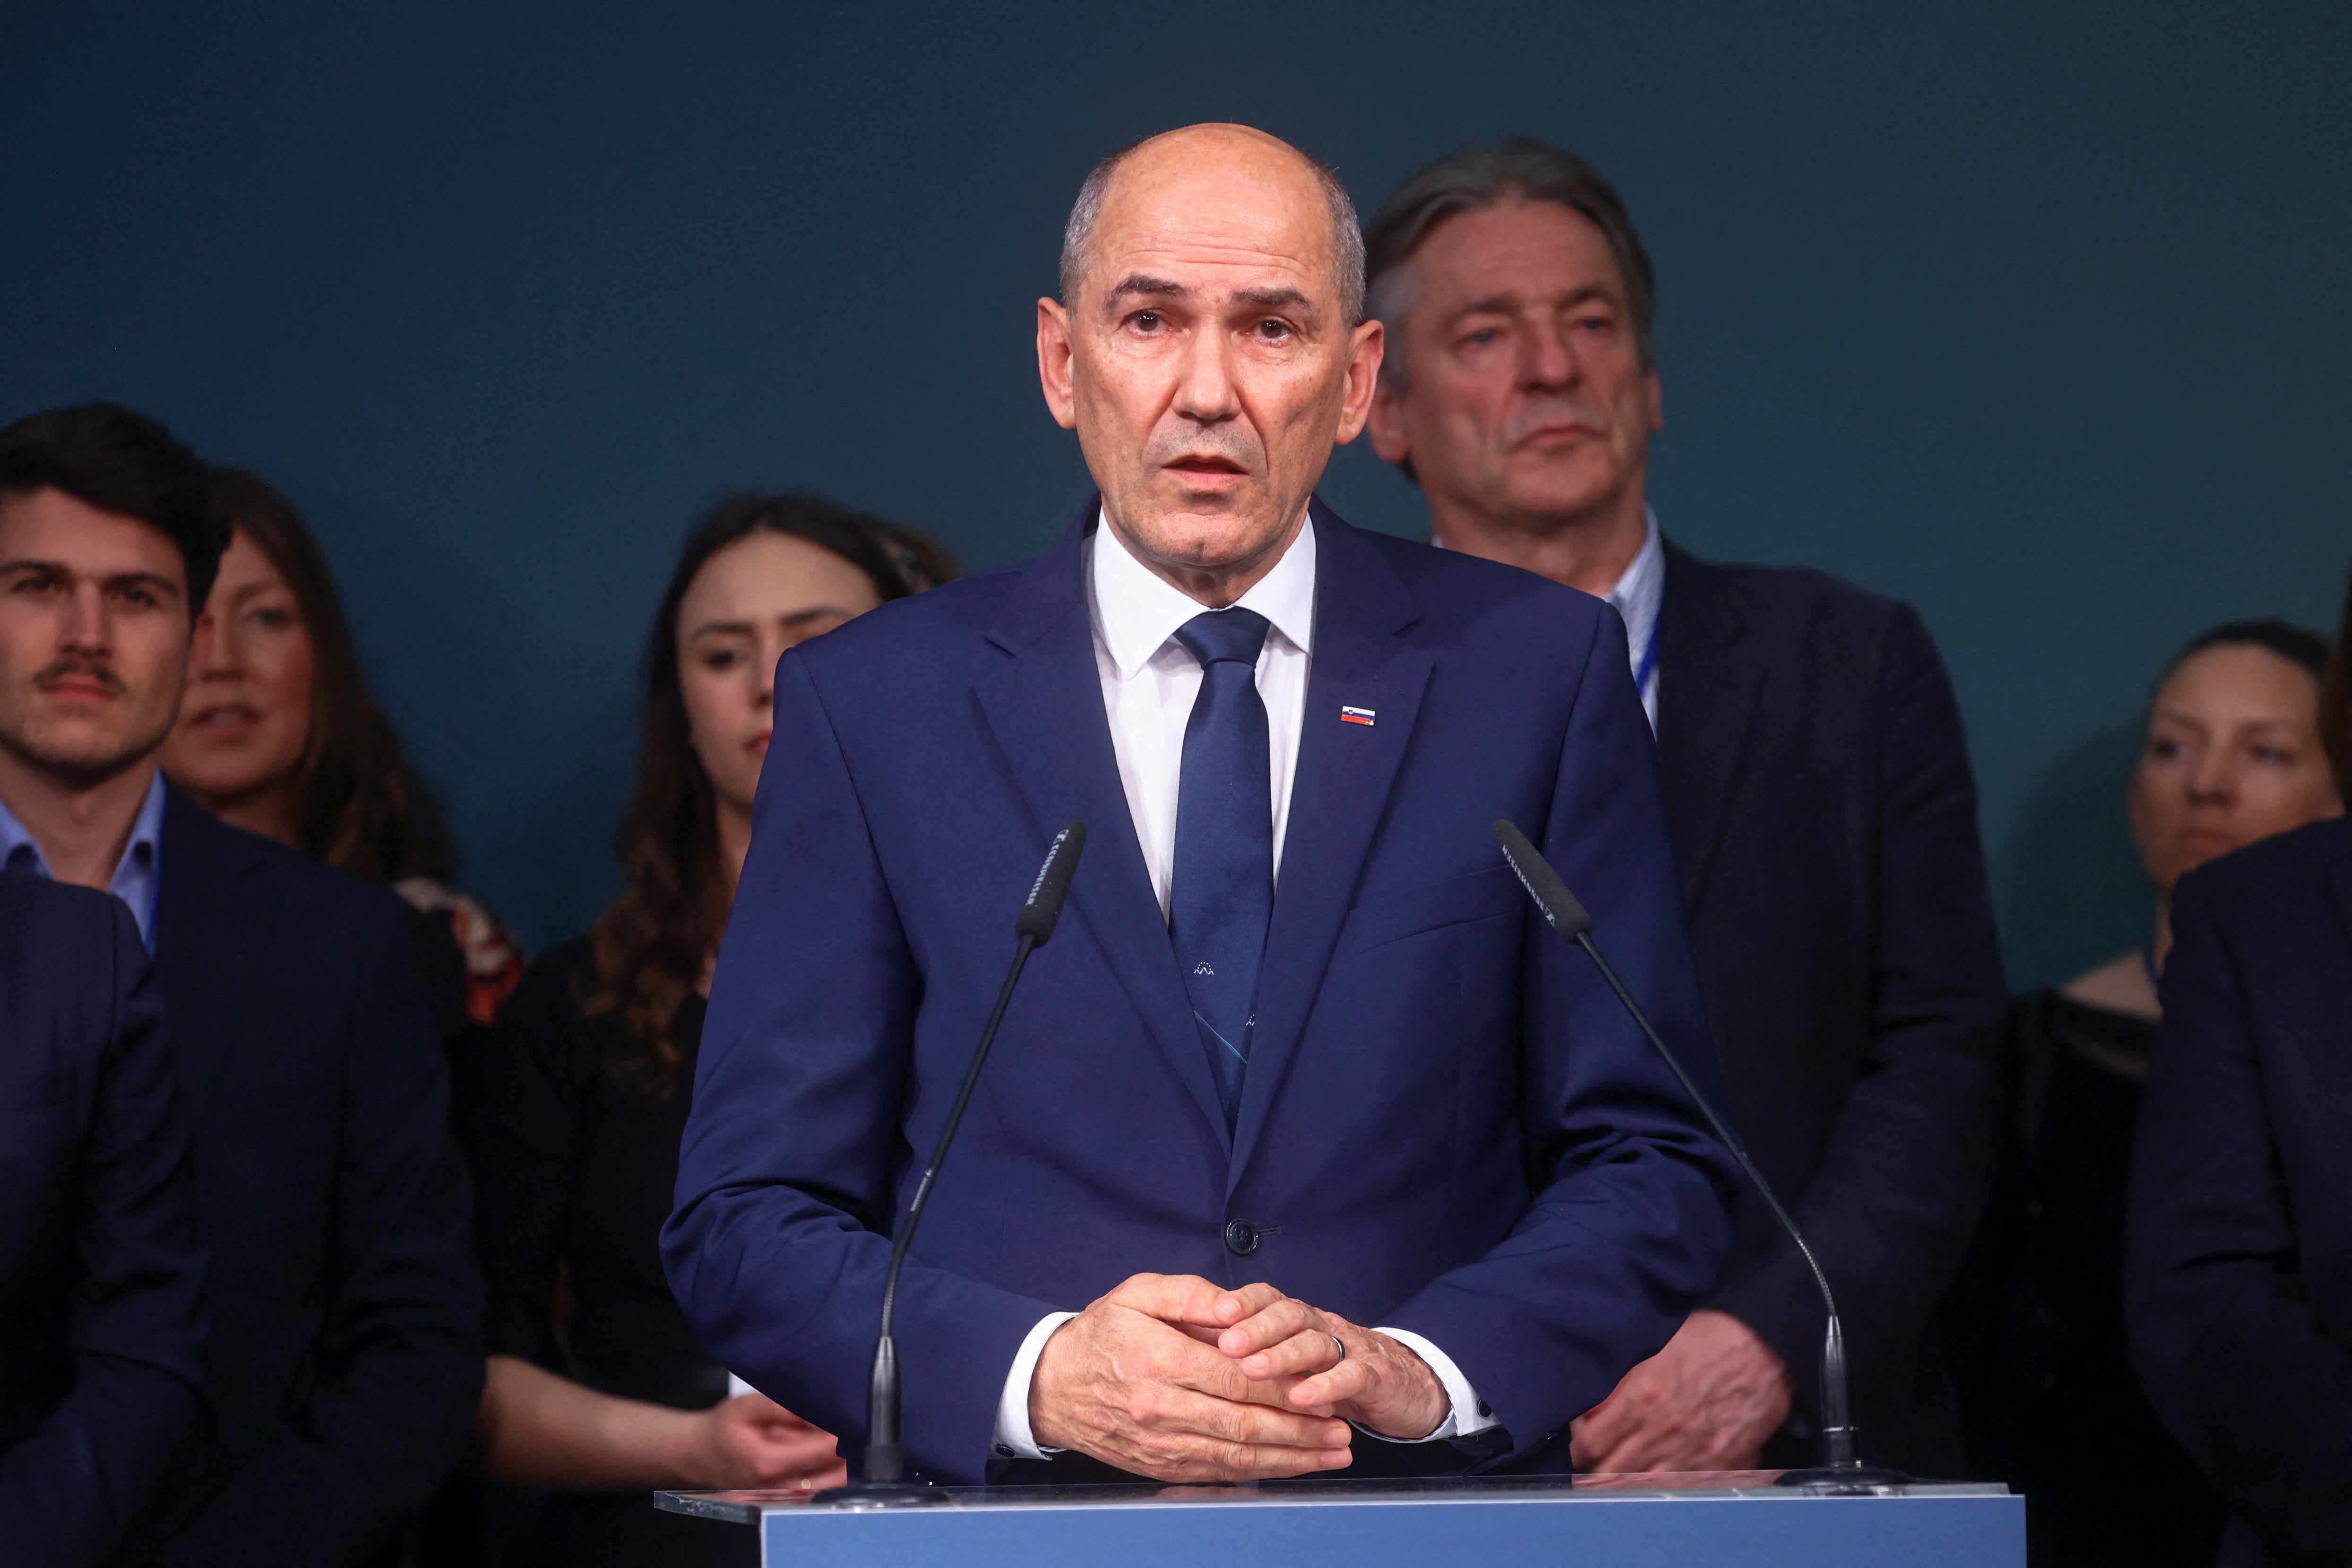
{"points": [[1275, 297], [1504, 304], [110, 580], [749, 628]]}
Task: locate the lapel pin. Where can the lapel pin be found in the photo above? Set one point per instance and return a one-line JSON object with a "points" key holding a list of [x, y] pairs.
{"points": [[1355, 715]]}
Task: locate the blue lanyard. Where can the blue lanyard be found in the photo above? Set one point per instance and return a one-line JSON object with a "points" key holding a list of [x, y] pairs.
{"points": [[1647, 670]]}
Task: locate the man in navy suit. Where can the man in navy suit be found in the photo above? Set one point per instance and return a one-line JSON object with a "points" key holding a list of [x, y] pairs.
{"points": [[1817, 790], [344, 1359], [102, 1323], [1304, 1146]]}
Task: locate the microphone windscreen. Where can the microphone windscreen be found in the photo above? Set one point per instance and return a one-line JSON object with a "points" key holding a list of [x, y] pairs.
{"points": [[1042, 908], [1559, 906]]}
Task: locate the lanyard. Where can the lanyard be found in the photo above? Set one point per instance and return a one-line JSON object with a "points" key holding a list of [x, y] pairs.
{"points": [[1647, 670]]}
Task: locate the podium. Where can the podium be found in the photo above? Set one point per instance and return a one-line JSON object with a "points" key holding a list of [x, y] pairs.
{"points": [[1590, 1521]]}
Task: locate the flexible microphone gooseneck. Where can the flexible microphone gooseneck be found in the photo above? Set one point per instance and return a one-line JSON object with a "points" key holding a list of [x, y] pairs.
{"points": [[1562, 910], [884, 1463]]}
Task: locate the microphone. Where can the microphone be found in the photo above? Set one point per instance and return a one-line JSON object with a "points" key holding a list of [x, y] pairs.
{"points": [[885, 1468], [1840, 1466]]}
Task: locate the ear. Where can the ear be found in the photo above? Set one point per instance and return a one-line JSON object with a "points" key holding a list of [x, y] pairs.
{"points": [[1657, 402], [1054, 374], [1388, 426], [1364, 352]]}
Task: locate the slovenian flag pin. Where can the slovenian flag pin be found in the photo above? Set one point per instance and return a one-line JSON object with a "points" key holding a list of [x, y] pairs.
{"points": [[1355, 715]]}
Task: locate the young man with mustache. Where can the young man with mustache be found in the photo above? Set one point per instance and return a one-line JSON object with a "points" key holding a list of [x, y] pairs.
{"points": [[1817, 792], [344, 1359]]}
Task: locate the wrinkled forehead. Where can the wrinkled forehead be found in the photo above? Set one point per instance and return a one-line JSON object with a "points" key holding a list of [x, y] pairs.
{"points": [[1215, 225]]}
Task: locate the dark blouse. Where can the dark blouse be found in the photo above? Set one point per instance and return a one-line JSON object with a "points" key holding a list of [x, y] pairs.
{"points": [[2051, 1404], [573, 1169]]}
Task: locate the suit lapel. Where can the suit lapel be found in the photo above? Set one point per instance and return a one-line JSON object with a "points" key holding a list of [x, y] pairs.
{"points": [[1045, 707], [1339, 792], [2339, 879], [1708, 684], [216, 904]]}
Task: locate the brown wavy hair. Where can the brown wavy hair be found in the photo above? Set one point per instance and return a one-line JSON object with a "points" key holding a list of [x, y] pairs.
{"points": [[358, 807], [2336, 703], [651, 943]]}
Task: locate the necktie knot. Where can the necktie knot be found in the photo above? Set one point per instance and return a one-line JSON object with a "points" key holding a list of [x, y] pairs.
{"points": [[1217, 636]]}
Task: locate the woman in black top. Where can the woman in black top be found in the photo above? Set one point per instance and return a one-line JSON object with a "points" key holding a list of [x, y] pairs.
{"points": [[2232, 754], [597, 1391]]}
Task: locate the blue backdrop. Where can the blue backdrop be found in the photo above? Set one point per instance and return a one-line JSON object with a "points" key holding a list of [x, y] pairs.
{"points": [[2032, 314]]}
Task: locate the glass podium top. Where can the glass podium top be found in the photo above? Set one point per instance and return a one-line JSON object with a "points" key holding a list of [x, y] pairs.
{"points": [[748, 1507]]}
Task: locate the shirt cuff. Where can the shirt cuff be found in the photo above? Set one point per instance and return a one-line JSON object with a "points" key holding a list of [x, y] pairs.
{"points": [[1014, 1439], [1468, 1416]]}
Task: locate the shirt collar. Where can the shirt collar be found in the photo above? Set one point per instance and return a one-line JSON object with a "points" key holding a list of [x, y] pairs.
{"points": [[1643, 588], [1137, 611], [141, 852]]}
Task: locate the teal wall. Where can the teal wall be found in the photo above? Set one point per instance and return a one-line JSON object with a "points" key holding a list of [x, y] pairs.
{"points": [[2033, 314]]}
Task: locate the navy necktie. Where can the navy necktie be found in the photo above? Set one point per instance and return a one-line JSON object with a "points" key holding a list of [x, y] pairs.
{"points": [[1222, 895]]}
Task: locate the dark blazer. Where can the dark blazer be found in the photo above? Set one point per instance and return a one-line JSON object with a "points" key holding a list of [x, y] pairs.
{"points": [[1825, 823], [1448, 1124], [102, 1321], [2238, 1256], [346, 1357]]}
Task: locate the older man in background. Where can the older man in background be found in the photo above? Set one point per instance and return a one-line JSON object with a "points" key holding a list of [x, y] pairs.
{"points": [[1817, 791], [1304, 1146]]}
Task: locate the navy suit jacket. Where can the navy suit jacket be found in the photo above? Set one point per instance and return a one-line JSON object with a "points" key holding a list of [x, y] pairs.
{"points": [[2238, 1249], [101, 1322], [1817, 787], [346, 1357], [1448, 1124]]}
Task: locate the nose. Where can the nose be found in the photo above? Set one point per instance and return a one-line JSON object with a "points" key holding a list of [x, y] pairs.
{"points": [[89, 628], [1205, 393], [1547, 362], [2213, 777]]}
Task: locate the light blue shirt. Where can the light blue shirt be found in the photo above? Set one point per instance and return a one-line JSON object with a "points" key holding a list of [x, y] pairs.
{"points": [[138, 876], [1637, 596]]}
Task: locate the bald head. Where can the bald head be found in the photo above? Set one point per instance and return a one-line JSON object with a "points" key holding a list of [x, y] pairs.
{"points": [[1202, 159]]}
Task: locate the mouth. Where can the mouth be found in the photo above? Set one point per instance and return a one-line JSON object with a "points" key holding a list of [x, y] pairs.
{"points": [[1207, 469], [1559, 434], [758, 744], [79, 688], [2209, 843], [224, 718]]}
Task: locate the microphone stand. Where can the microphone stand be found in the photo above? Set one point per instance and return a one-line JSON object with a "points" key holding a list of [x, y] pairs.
{"points": [[1842, 1469], [884, 1482]]}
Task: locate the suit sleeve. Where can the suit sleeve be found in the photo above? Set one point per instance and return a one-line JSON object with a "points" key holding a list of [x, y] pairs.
{"points": [[780, 1239], [398, 1361], [2224, 1340], [1896, 1200], [1633, 1214], [96, 1471]]}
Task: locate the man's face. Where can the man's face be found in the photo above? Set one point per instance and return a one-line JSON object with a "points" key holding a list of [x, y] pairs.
{"points": [[94, 629], [1525, 396], [1205, 359]]}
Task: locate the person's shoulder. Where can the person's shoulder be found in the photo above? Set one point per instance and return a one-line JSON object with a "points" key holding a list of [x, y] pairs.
{"points": [[2275, 872], [54, 935], [317, 897], [1458, 591], [963, 609], [1796, 597]]}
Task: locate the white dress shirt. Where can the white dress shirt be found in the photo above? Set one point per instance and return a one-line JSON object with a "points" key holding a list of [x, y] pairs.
{"points": [[1149, 683]]}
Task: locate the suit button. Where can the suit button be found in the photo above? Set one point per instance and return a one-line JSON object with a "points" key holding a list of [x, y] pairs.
{"points": [[1241, 1238]]}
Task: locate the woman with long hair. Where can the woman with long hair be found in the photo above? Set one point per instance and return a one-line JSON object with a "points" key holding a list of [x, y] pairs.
{"points": [[597, 1390], [278, 735]]}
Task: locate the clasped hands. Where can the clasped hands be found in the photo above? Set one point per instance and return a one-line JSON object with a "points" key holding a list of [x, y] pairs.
{"points": [[1177, 1378]]}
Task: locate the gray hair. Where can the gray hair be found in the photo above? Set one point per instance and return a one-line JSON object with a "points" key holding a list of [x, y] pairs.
{"points": [[1347, 239], [1479, 177]]}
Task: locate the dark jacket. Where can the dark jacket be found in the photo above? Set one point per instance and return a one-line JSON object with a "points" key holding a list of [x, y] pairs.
{"points": [[1448, 1124], [345, 1360], [101, 1326], [1825, 823], [2237, 1257]]}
